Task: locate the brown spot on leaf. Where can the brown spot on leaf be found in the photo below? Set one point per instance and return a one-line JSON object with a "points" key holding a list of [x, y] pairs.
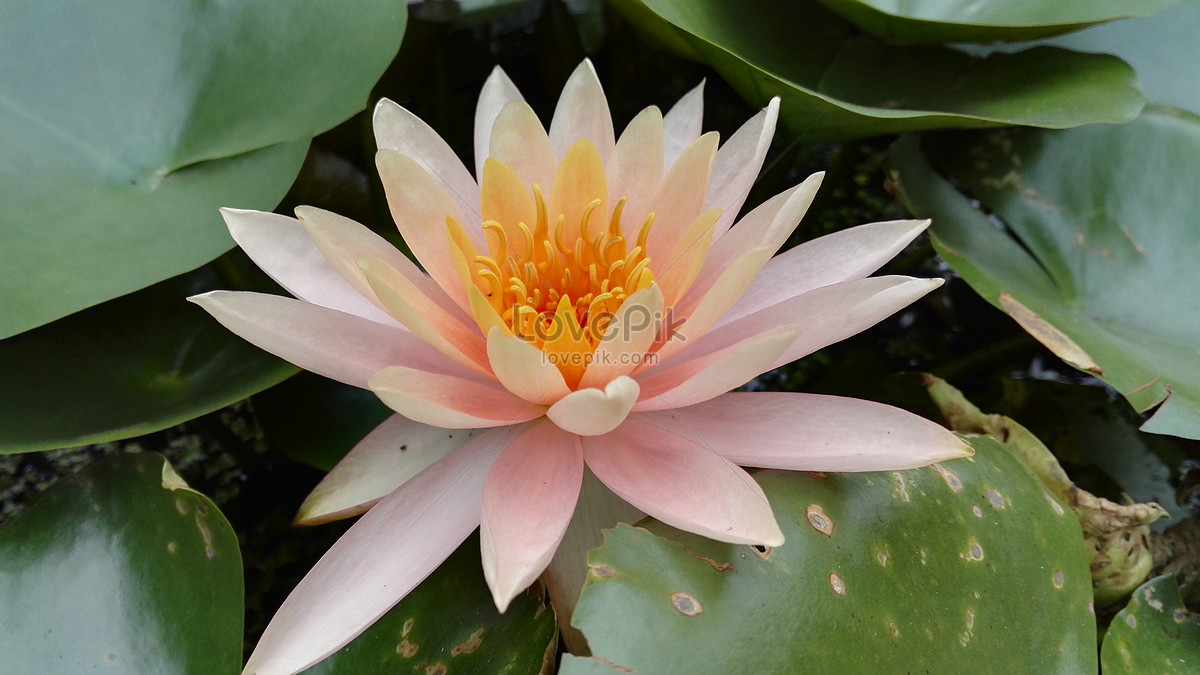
{"points": [[1179, 614], [817, 518], [893, 629], [975, 551], [976, 510], [436, 669], [1058, 579], [836, 583], [602, 571], [407, 649], [686, 603], [952, 481], [406, 628], [470, 645], [1045, 333], [717, 567], [994, 498]]}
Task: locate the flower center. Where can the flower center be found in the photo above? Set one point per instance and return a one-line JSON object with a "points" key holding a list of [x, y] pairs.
{"points": [[557, 281]]}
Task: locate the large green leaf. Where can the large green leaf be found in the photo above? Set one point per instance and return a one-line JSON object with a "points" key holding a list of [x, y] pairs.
{"points": [[122, 569], [1100, 265], [937, 570], [449, 624], [127, 367], [125, 124], [1155, 633], [985, 20], [1161, 48], [835, 87]]}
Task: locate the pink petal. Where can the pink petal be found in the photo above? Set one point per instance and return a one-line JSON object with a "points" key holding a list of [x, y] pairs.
{"points": [[636, 166], [582, 112], [344, 242], [828, 314], [524, 369], [400, 130], [682, 124], [380, 560], [528, 500], [693, 378], [810, 432], [420, 207], [737, 164], [841, 256], [627, 339], [692, 322], [498, 91], [678, 202], [397, 450], [683, 484], [449, 401], [340, 346], [282, 248], [590, 412], [433, 319], [769, 225], [520, 142]]}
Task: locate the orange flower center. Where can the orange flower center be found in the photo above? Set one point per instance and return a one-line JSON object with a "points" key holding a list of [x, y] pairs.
{"points": [[554, 274]]}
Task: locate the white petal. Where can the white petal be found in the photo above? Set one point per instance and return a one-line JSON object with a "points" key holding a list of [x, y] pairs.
{"points": [[737, 164], [340, 346], [385, 459], [842, 256], [400, 130], [589, 412], [282, 248], [582, 112], [811, 432], [682, 124], [497, 92], [380, 560]]}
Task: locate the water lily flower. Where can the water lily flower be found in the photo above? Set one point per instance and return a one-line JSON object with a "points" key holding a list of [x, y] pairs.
{"points": [[588, 301]]}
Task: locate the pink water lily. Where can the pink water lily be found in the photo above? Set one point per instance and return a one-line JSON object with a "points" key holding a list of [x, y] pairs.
{"points": [[588, 301]]}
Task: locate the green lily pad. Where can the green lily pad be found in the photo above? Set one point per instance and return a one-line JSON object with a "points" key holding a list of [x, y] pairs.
{"points": [[835, 87], [124, 125], [985, 21], [121, 569], [1155, 633], [911, 571], [1099, 265], [128, 367], [449, 624], [1161, 48]]}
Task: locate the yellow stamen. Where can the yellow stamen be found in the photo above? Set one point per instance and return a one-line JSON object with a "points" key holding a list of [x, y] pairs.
{"points": [[535, 269]]}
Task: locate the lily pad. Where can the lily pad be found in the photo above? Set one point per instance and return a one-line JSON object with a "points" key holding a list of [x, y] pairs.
{"points": [[449, 624], [1097, 260], [837, 87], [121, 569], [124, 125], [1161, 48], [1155, 633], [909, 570], [986, 20], [128, 367]]}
